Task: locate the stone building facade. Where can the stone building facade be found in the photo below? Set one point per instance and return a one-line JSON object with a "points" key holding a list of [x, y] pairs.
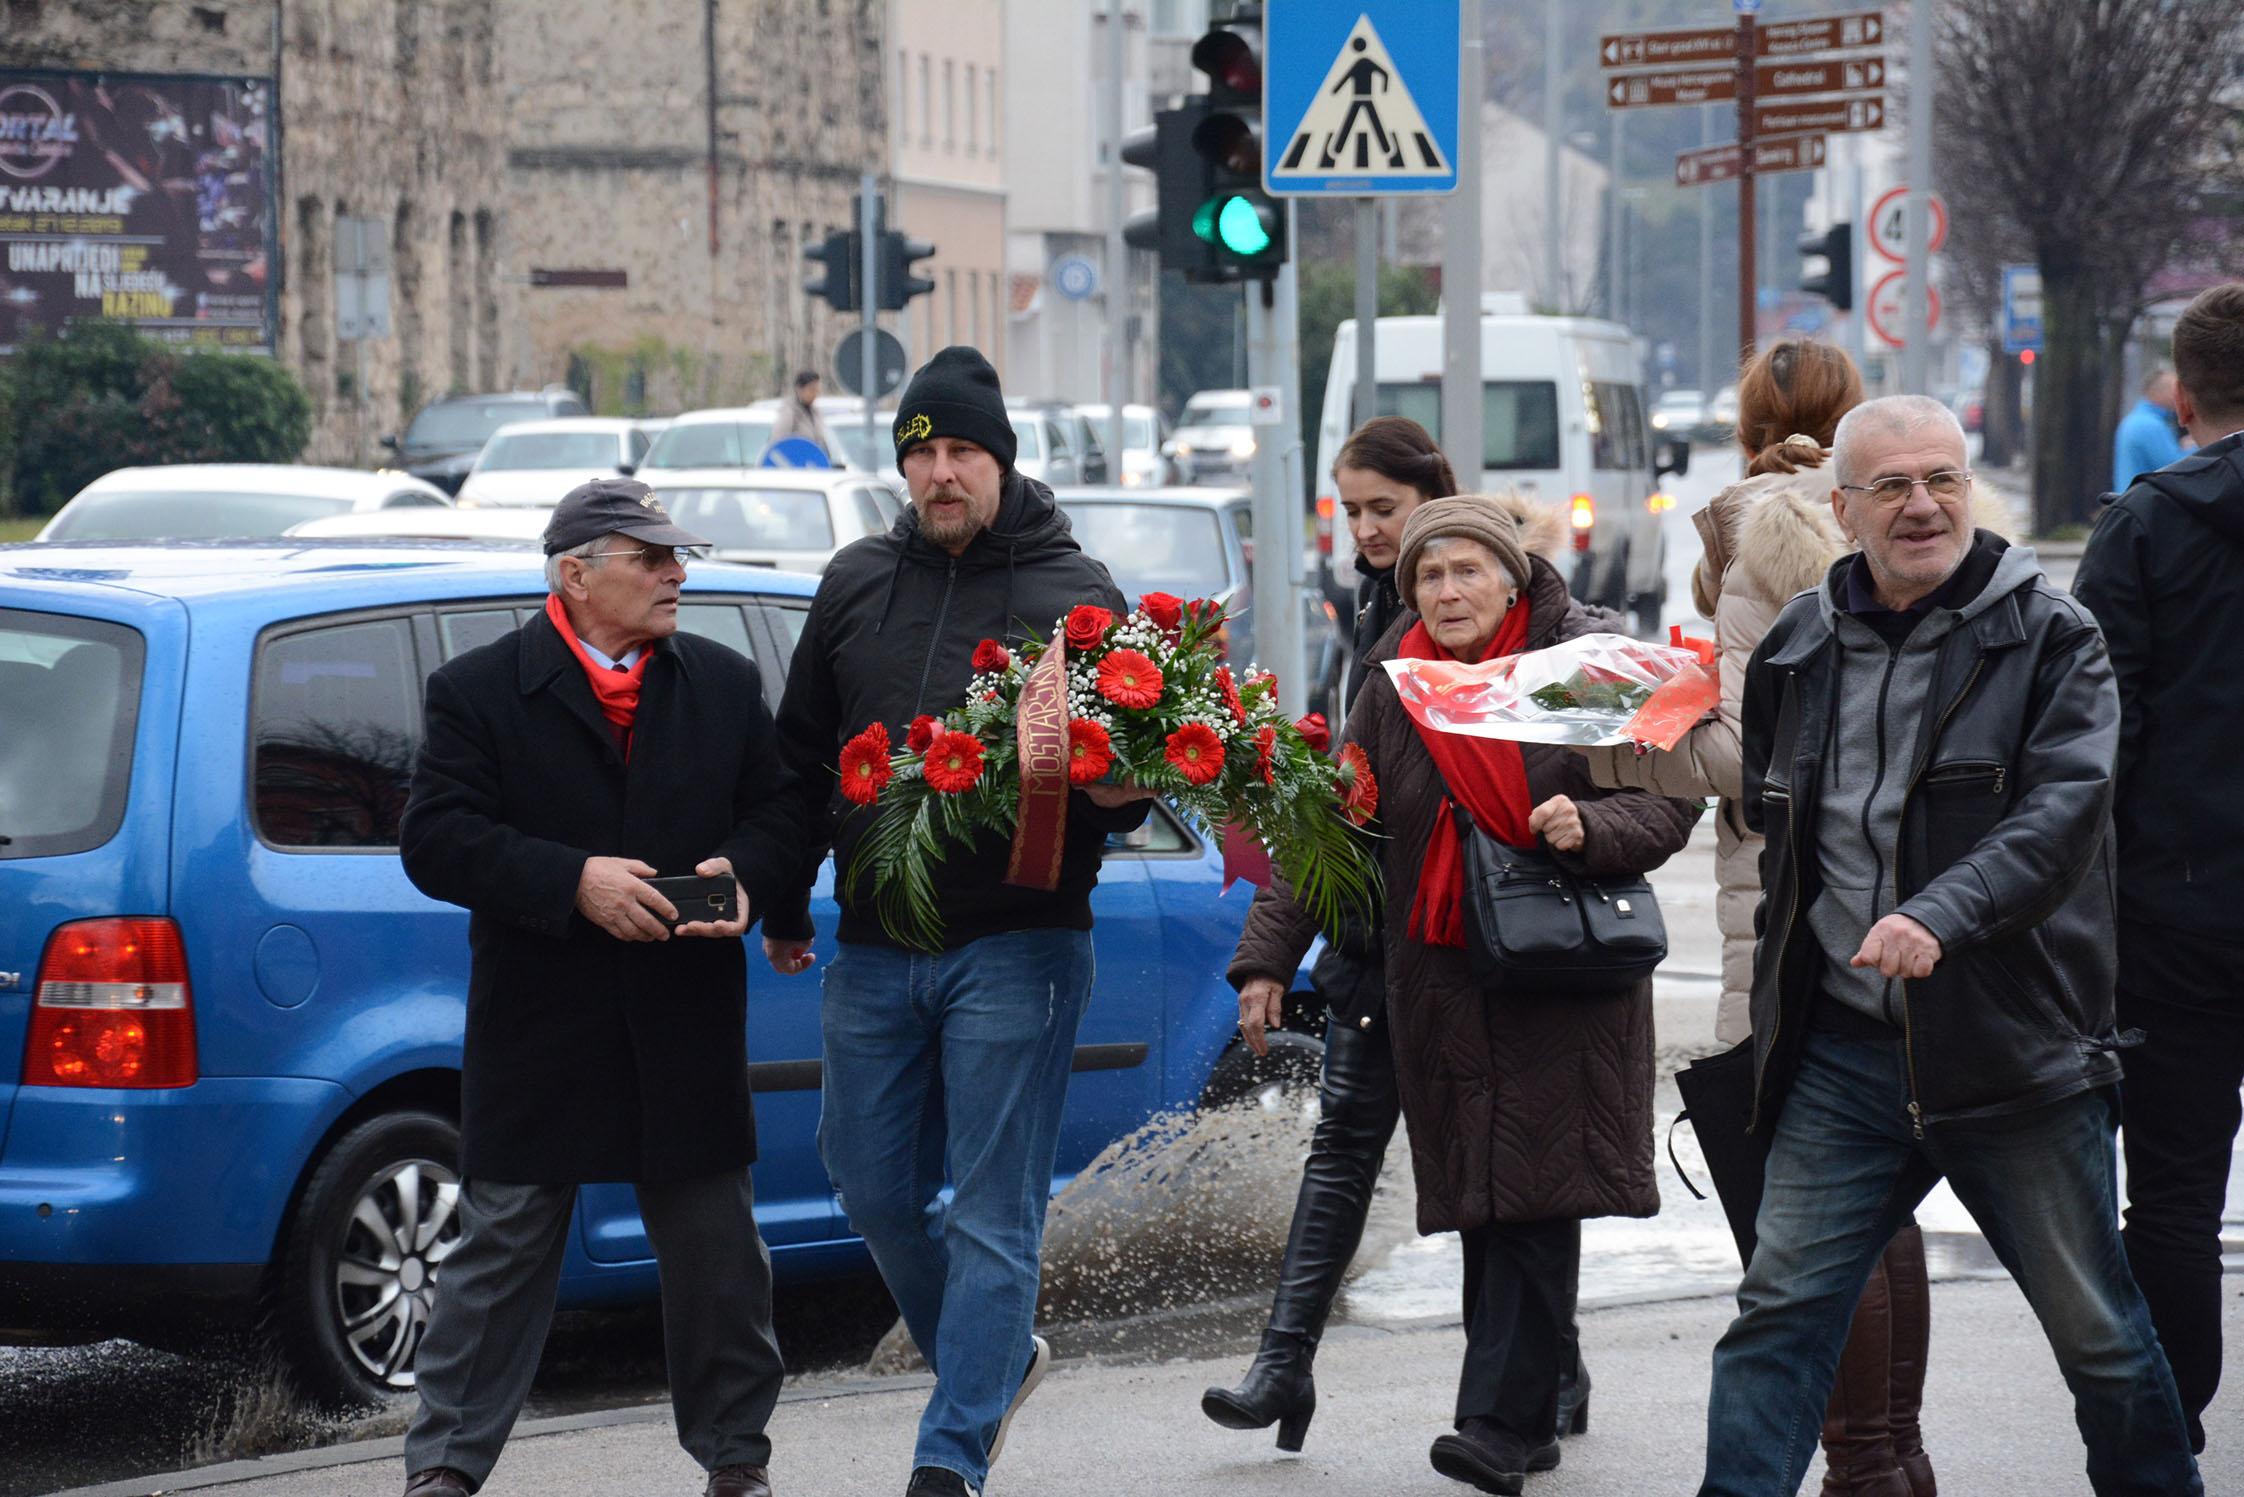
{"points": [[694, 145]]}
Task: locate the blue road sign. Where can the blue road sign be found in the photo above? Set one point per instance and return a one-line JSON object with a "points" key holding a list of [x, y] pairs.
{"points": [[795, 452], [2021, 308], [1360, 97], [1075, 277]]}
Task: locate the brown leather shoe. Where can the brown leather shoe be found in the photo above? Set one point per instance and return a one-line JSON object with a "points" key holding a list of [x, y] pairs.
{"points": [[437, 1481], [738, 1481]]}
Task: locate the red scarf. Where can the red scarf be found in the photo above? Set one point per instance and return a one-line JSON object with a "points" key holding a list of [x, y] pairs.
{"points": [[616, 691], [1486, 774]]}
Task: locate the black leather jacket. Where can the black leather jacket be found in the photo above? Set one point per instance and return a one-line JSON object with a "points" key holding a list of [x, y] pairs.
{"points": [[2005, 854]]}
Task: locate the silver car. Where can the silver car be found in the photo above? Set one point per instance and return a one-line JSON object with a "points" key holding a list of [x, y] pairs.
{"points": [[204, 501]]}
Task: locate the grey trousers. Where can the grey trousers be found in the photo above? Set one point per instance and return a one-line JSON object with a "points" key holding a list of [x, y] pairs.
{"points": [[494, 1306]]}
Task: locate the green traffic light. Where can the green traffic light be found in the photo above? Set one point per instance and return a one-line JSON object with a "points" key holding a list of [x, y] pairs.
{"points": [[1235, 222]]}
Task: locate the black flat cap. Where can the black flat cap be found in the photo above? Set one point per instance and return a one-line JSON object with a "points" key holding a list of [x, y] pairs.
{"points": [[613, 506]]}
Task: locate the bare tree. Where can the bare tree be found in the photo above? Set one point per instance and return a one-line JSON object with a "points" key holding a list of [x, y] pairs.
{"points": [[2097, 128]]}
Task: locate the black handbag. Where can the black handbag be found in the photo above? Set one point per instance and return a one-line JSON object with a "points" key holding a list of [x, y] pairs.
{"points": [[1531, 923], [1718, 1103]]}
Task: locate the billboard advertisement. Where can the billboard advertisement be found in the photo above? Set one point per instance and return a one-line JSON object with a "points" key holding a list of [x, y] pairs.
{"points": [[147, 199]]}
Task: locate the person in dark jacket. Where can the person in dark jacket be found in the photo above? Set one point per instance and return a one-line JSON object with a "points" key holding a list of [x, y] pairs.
{"points": [[1928, 744], [2164, 575], [952, 1064], [566, 764]]}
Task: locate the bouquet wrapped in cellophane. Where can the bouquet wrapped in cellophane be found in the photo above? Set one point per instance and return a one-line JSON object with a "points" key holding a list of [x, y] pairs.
{"points": [[1142, 700], [1596, 690]]}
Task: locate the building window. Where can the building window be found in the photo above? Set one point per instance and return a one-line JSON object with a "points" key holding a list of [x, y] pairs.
{"points": [[950, 106], [926, 102], [950, 306], [973, 112], [903, 93], [989, 80], [974, 301]]}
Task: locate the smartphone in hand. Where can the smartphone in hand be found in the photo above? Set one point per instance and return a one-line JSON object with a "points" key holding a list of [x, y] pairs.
{"points": [[697, 898]]}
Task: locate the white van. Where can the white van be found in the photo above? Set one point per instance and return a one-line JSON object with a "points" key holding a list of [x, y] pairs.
{"points": [[1562, 418]]}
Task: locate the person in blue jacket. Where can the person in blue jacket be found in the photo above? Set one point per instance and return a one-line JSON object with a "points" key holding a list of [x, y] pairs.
{"points": [[2148, 438]]}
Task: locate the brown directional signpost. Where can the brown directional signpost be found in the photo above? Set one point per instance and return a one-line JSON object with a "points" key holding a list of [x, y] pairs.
{"points": [[1789, 98]]}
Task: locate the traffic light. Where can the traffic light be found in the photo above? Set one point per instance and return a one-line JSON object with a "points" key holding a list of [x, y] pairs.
{"points": [[835, 279], [1242, 226], [898, 283], [1835, 282], [1182, 181]]}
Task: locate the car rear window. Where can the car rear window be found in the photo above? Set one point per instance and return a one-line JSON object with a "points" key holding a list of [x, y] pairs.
{"points": [[336, 724], [710, 444], [1153, 548], [471, 422], [747, 519], [548, 451], [160, 514], [69, 700], [1518, 420]]}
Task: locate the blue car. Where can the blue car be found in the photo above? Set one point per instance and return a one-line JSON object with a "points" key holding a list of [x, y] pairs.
{"points": [[230, 1028]]}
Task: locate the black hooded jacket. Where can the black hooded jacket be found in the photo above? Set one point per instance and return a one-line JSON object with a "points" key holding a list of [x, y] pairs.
{"points": [[891, 635], [2164, 575]]}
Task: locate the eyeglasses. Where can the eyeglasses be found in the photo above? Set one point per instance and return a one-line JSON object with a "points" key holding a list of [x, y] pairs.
{"points": [[1894, 491], [655, 558]]}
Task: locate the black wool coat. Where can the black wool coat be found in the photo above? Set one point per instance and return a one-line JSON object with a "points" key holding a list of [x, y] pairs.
{"points": [[590, 1058]]}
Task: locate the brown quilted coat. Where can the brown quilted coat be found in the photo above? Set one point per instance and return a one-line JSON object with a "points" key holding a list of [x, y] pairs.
{"points": [[1521, 1106]]}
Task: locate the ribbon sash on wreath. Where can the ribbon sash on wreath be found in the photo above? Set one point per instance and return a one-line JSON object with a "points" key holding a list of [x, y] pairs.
{"points": [[1040, 729]]}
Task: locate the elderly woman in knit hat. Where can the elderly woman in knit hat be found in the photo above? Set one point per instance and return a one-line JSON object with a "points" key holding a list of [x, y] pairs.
{"points": [[1528, 1110]]}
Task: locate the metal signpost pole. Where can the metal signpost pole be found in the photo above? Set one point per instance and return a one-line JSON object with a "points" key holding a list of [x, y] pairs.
{"points": [[1915, 319], [1748, 289], [1460, 271], [1711, 376], [1554, 86], [1367, 314], [1284, 640], [1117, 288], [868, 228]]}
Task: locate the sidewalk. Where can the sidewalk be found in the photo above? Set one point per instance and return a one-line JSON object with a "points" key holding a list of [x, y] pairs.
{"points": [[1997, 1421]]}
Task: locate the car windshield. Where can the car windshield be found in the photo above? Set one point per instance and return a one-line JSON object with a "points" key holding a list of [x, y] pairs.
{"points": [[184, 514], [70, 695], [710, 444], [1027, 440], [1678, 400], [464, 423], [754, 519], [1214, 410], [1137, 433], [1153, 548], [868, 452], [548, 450]]}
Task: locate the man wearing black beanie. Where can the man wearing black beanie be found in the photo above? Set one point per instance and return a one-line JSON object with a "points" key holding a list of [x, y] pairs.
{"points": [[987, 1024]]}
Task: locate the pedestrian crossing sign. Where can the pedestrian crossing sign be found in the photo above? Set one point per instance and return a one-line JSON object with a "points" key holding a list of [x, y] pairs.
{"points": [[1360, 97]]}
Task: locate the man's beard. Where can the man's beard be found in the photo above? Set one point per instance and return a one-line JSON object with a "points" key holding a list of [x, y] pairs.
{"points": [[947, 530]]}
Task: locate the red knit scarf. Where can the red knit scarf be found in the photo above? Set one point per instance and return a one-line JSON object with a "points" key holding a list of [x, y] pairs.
{"points": [[1486, 774], [616, 691]]}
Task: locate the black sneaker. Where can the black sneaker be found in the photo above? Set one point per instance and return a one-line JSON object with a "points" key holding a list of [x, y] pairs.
{"points": [[939, 1481]]}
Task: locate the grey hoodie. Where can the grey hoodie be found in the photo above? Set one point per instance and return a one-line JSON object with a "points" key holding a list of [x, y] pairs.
{"points": [[1872, 754]]}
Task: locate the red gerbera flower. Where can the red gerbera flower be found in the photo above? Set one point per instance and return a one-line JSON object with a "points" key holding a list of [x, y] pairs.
{"points": [[1313, 729], [989, 655], [1196, 752], [1090, 753], [1086, 626], [1359, 790], [864, 765], [1165, 609], [1128, 679], [1230, 689], [954, 762], [1266, 753], [921, 733]]}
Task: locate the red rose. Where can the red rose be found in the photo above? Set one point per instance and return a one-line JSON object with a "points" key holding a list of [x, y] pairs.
{"points": [[1165, 609], [1086, 626], [1359, 791], [1205, 610], [989, 655], [1090, 753], [1314, 730], [1196, 752], [864, 765], [1230, 691], [921, 733], [1128, 679], [1266, 753], [954, 763]]}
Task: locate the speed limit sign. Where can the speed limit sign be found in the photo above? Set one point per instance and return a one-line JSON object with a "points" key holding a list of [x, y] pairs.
{"points": [[1889, 225]]}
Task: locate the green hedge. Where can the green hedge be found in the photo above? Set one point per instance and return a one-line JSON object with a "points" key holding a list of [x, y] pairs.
{"points": [[100, 396]]}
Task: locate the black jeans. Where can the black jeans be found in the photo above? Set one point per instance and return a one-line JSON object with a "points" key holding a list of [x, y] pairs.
{"points": [[1360, 1108], [2180, 1110], [1521, 1279]]}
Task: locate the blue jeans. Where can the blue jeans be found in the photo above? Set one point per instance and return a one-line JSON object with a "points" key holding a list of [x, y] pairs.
{"points": [[1844, 1175], [954, 1067]]}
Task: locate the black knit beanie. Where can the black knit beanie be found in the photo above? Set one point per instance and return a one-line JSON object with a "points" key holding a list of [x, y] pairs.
{"points": [[955, 394]]}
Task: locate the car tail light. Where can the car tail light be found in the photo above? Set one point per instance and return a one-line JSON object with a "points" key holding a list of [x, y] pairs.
{"points": [[113, 1007], [1325, 507], [1660, 502], [1584, 515]]}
